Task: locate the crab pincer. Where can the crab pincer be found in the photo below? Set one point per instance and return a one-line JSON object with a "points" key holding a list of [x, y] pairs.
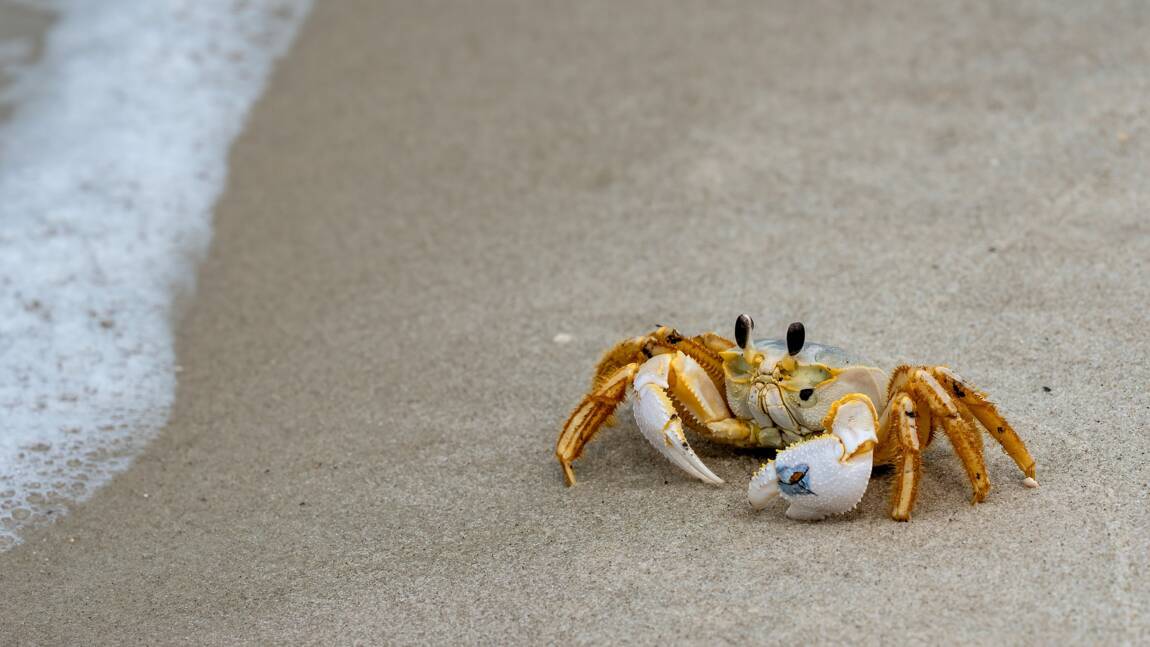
{"points": [[827, 474]]}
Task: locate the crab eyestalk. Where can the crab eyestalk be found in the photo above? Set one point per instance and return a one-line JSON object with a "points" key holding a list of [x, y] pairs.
{"points": [[796, 337], [744, 326]]}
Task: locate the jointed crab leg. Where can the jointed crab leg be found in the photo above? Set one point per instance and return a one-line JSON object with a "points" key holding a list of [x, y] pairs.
{"points": [[988, 415], [908, 461], [963, 435], [704, 349], [585, 421], [924, 397]]}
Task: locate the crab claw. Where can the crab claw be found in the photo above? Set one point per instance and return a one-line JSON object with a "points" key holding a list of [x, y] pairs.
{"points": [[764, 486], [827, 474], [656, 416]]}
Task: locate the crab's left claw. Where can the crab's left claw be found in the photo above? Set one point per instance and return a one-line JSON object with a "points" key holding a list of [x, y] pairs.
{"points": [[827, 474]]}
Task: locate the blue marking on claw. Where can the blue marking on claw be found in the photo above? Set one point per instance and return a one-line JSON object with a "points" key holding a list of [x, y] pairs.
{"points": [[794, 479]]}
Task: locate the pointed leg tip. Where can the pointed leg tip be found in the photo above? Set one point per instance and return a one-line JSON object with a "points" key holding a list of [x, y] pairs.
{"points": [[568, 474], [1030, 482]]}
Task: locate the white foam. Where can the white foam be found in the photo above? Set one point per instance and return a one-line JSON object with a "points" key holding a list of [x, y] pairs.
{"points": [[109, 167]]}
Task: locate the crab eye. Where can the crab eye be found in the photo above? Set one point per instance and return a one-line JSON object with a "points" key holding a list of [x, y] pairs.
{"points": [[806, 398], [796, 336], [743, 327]]}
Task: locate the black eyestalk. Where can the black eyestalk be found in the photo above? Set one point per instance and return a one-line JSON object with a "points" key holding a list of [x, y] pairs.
{"points": [[743, 327], [796, 337]]}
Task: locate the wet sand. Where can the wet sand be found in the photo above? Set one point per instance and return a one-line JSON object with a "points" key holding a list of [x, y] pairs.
{"points": [[430, 192]]}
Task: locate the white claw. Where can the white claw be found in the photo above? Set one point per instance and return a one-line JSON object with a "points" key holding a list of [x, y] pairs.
{"points": [[661, 426], [1029, 482], [825, 475], [764, 486]]}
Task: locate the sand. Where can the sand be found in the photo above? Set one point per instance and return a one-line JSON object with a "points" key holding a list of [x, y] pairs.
{"points": [[431, 192]]}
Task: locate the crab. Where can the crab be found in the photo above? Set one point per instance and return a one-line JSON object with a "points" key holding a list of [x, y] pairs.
{"points": [[830, 417]]}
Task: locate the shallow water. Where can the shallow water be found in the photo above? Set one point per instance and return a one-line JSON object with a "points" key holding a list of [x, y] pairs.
{"points": [[111, 159]]}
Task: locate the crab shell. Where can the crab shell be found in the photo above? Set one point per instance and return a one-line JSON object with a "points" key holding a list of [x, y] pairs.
{"points": [[783, 416]]}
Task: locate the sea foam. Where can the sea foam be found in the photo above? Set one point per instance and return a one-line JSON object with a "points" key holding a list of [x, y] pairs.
{"points": [[115, 152]]}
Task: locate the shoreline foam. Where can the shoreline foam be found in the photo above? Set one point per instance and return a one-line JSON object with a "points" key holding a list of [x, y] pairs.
{"points": [[111, 162]]}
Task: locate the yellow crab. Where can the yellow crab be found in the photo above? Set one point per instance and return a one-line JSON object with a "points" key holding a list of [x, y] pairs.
{"points": [[831, 417]]}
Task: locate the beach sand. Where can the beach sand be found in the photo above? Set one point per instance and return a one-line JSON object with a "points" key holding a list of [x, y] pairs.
{"points": [[22, 29], [361, 448]]}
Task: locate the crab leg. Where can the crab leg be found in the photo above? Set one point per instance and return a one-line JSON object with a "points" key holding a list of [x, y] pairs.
{"points": [[959, 429], [628, 351], [655, 412], [587, 418], [976, 402], [908, 463], [704, 349], [935, 397]]}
